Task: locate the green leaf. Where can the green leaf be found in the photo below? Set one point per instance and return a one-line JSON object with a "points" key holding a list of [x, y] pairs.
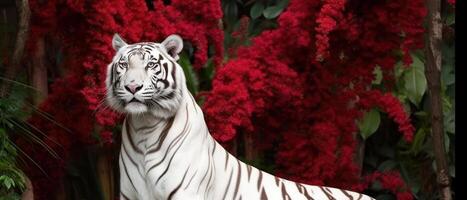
{"points": [[386, 151], [418, 141], [398, 69], [387, 165], [452, 171], [415, 82], [256, 10], [447, 142], [449, 123], [371, 160], [378, 75], [191, 78], [274, 11], [230, 12], [376, 185], [450, 19], [370, 123]]}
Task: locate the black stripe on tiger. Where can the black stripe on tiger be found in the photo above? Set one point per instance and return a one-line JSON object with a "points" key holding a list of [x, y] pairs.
{"points": [[238, 180], [346, 194], [228, 184], [162, 136], [178, 187], [327, 192], [173, 75], [173, 155], [188, 184], [130, 139], [124, 196], [127, 174]]}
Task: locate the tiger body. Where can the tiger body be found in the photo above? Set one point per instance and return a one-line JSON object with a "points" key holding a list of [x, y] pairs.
{"points": [[167, 151]]}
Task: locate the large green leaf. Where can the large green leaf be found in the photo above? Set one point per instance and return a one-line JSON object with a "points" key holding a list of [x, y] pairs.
{"points": [[230, 9], [256, 10], [370, 123], [448, 67], [414, 81], [274, 11]]}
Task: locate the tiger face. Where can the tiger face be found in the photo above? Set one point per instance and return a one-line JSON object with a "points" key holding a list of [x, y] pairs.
{"points": [[145, 77]]}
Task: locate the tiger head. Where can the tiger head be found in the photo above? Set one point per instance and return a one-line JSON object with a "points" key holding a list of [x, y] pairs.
{"points": [[145, 77]]}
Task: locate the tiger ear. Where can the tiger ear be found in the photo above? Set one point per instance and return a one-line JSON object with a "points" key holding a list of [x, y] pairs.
{"points": [[117, 42], [174, 45]]}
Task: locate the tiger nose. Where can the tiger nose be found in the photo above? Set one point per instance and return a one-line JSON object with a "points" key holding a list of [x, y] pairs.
{"points": [[133, 87]]}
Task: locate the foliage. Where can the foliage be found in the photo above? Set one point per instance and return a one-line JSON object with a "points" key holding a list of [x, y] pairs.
{"points": [[12, 178]]}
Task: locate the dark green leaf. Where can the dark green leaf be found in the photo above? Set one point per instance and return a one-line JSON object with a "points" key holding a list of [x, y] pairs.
{"points": [[370, 123], [446, 142], [449, 122], [387, 165], [386, 151], [376, 186], [415, 82], [418, 141], [371, 160], [231, 13], [256, 10], [452, 171], [274, 11], [450, 19]]}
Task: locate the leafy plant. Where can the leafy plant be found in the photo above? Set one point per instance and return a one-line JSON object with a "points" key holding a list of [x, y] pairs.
{"points": [[415, 161], [14, 110]]}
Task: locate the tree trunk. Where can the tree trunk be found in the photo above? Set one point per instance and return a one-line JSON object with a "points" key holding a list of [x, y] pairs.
{"points": [[433, 70], [105, 172], [39, 73], [251, 152], [23, 11]]}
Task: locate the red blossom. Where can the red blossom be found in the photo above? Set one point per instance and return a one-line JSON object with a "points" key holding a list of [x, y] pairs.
{"points": [[84, 29], [392, 181], [310, 107]]}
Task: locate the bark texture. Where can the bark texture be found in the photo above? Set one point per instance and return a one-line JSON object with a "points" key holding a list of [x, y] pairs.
{"points": [[433, 71]]}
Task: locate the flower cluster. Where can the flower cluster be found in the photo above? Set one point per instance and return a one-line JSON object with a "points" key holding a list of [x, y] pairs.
{"points": [[84, 30], [304, 85], [392, 181]]}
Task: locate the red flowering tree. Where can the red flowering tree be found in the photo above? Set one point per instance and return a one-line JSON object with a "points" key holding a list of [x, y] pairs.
{"points": [[305, 84], [84, 30]]}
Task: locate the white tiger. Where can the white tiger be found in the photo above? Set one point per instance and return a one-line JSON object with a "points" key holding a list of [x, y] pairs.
{"points": [[167, 151]]}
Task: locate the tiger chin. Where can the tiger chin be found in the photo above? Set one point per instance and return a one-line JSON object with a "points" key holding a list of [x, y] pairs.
{"points": [[144, 77]]}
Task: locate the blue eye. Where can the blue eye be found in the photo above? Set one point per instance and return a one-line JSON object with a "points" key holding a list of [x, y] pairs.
{"points": [[123, 65], [151, 65]]}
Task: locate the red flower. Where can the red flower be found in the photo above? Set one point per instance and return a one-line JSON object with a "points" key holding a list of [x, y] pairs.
{"points": [[84, 29], [276, 89]]}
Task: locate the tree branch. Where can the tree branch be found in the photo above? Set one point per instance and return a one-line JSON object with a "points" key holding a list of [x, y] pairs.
{"points": [[433, 70], [24, 13]]}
